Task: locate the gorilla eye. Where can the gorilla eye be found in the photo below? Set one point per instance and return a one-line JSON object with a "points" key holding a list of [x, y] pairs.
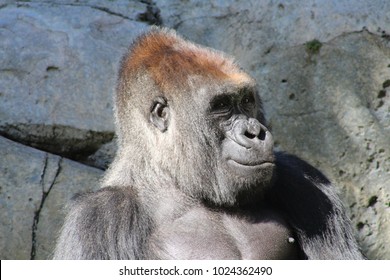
{"points": [[248, 99], [221, 104], [248, 104]]}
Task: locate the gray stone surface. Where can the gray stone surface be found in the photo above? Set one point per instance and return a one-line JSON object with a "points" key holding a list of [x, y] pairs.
{"points": [[20, 197], [72, 178], [323, 69], [250, 29], [34, 188], [58, 65]]}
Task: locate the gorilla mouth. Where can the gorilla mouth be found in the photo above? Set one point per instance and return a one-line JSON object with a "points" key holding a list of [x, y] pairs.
{"points": [[248, 169], [250, 164]]}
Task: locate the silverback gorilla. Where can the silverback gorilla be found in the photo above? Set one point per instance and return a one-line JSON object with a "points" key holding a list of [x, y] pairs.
{"points": [[195, 175]]}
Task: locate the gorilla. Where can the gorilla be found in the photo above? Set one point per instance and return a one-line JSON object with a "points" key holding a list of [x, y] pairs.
{"points": [[196, 175]]}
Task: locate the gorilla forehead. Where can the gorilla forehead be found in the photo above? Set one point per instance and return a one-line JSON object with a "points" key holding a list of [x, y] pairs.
{"points": [[175, 63]]}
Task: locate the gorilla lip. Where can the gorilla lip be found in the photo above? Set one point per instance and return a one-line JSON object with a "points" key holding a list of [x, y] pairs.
{"points": [[257, 164]]}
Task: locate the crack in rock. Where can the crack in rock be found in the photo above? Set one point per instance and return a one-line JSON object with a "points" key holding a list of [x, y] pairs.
{"points": [[85, 5], [108, 11], [45, 194]]}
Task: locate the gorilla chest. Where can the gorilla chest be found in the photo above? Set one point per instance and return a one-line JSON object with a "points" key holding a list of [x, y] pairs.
{"points": [[202, 235]]}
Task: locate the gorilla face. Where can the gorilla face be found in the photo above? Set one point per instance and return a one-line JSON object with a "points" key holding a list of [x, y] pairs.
{"points": [[247, 146], [246, 164]]}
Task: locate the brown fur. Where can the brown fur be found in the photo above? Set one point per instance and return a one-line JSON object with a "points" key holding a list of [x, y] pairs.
{"points": [[171, 60]]}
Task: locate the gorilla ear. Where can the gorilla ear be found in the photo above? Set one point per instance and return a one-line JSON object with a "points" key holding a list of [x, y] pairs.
{"points": [[159, 114]]}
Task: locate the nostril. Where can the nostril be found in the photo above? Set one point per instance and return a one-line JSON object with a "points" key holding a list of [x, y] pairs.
{"points": [[262, 135], [249, 135]]}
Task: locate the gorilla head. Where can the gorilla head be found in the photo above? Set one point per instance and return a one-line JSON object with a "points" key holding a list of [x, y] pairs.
{"points": [[189, 117]]}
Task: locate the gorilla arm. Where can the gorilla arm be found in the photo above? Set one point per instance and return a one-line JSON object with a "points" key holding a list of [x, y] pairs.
{"points": [[313, 209], [107, 224]]}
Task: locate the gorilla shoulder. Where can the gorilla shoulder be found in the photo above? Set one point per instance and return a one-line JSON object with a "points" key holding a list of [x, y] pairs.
{"points": [[98, 223]]}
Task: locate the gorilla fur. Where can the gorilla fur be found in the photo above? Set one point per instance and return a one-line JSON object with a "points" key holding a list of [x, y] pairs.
{"points": [[195, 175]]}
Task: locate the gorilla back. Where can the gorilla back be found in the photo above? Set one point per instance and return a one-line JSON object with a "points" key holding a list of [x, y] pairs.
{"points": [[195, 175]]}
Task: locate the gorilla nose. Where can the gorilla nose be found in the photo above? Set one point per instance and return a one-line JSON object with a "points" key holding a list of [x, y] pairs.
{"points": [[252, 134], [255, 129]]}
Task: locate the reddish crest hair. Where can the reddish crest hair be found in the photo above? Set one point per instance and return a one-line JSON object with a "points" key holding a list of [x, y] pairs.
{"points": [[170, 60]]}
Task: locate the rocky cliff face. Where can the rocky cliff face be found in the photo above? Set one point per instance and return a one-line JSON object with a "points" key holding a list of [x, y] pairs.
{"points": [[323, 69]]}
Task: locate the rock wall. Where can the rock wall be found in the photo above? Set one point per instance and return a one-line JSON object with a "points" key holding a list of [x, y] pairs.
{"points": [[323, 69]]}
